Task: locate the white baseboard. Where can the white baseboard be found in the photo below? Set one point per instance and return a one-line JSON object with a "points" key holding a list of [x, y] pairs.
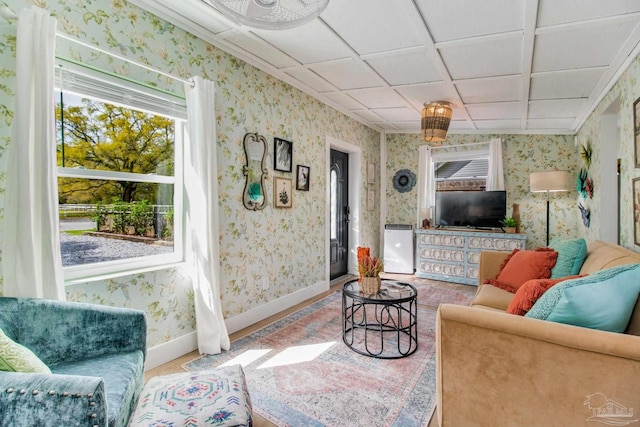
{"points": [[261, 312], [185, 344], [170, 350]]}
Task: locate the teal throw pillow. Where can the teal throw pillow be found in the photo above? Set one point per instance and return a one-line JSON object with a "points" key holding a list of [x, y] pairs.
{"points": [[604, 300], [571, 256], [17, 358]]}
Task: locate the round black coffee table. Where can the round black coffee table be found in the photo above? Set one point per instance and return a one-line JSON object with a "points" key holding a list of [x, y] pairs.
{"points": [[382, 325]]}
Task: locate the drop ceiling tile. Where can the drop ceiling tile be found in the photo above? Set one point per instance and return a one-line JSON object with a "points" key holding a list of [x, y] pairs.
{"points": [[458, 114], [581, 46], [556, 108], [260, 48], [310, 43], [413, 127], [198, 12], [565, 84], [551, 124], [367, 115], [508, 88], [378, 98], [398, 114], [460, 125], [453, 20], [344, 100], [417, 95], [387, 127], [375, 25], [502, 110], [552, 12], [310, 79], [403, 68], [497, 124], [483, 58], [348, 74]]}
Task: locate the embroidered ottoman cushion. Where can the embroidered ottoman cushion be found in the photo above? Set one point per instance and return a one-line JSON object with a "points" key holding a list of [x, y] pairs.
{"points": [[216, 397]]}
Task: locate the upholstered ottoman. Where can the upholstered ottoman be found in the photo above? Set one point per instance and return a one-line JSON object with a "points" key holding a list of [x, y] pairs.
{"points": [[216, 397]]}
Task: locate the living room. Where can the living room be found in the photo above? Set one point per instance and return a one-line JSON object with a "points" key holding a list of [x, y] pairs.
{"points": [[257, 247]]}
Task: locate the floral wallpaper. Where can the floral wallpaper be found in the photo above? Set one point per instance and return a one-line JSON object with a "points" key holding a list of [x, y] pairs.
{"points": [[620, 98], [522, 155], [285, 247]]}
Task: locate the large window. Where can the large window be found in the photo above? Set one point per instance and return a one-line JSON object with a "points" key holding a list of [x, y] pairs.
{"points": [[119, 174]]}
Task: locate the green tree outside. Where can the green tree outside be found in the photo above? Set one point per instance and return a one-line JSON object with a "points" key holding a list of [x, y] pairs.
{"points": [[102, 136]]}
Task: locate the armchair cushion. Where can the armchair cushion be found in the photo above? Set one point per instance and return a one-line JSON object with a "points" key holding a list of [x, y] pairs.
{"points": [[123, 380], [17, 358], [96, 355]]}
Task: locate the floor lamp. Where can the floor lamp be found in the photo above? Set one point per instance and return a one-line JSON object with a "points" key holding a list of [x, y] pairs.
{"points": [[549, 182]]}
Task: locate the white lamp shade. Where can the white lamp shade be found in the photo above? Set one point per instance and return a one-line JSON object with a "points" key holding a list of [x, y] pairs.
{"points": [[550, 181]]}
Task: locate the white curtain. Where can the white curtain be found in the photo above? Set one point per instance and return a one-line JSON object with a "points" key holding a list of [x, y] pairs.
{"points": [[31, 261], [201, 190], [426, 185], [495, 175]]}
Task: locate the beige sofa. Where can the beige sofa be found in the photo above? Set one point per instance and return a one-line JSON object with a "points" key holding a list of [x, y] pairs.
{"points": [[500, 369]]}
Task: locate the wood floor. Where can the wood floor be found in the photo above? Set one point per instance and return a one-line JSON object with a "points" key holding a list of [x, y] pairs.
{"points": [[175, 366]]}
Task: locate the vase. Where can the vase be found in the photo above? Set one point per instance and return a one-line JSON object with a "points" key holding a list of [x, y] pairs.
{"points": [[370, 285], [510, 230]]}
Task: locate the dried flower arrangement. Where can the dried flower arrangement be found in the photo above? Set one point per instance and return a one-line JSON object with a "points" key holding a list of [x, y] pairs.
{"points": [[369, 266]]}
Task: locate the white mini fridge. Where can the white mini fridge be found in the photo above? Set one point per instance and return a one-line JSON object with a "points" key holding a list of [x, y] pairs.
{"points": [[398, 248]]}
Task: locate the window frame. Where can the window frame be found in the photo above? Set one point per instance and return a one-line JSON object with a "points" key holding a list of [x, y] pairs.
{"points": [[149, 262], [476, 154]]}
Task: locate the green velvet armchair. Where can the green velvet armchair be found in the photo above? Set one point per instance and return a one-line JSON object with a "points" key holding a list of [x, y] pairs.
{"points": [[96, 356]]}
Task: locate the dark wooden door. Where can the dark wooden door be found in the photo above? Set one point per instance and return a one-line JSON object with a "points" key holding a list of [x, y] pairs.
{"points": [[340, 213]]}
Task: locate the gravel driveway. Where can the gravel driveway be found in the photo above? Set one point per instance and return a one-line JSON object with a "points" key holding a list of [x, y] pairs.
{"points": [[83, 249]]}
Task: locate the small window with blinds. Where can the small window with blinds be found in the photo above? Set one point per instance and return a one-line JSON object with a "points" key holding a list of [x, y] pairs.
{"points": [[119, 146], [461, 175]]}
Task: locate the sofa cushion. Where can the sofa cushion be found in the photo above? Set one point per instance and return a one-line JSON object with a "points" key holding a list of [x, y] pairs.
{"points": [[603, 300], [571, 256], [525, 265], [601, 255], [15, 357], [489, 296], [530, 292], [123, 375]]}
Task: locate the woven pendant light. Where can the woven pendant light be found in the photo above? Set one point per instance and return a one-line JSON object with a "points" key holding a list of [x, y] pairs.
{"points": [[436, 117]]}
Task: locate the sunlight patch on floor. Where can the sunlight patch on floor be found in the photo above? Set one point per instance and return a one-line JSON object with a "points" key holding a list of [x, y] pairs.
{"points": [[247, 357], [298, 354]]}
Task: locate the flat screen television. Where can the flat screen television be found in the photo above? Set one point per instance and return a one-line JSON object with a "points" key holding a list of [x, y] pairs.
{"points": [[475, 209]]}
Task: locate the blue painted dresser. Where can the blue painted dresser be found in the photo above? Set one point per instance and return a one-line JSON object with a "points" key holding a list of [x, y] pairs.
{"points": [[453, 255]]}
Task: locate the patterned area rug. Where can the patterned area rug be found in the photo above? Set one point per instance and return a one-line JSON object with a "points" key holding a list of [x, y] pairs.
{"points": [[300, 373], [433, 296]]}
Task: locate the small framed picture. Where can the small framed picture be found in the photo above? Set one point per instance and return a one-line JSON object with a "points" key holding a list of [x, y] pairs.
{"points": [[371, 172], [302, 178], [636, 210], [371, 199], [282, 194], [282, 155], [636, 132]]}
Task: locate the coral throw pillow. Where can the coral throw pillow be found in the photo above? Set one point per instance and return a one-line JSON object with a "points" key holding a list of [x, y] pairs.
{"points": [[362, 252], [522, 266], [529, 293]]}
